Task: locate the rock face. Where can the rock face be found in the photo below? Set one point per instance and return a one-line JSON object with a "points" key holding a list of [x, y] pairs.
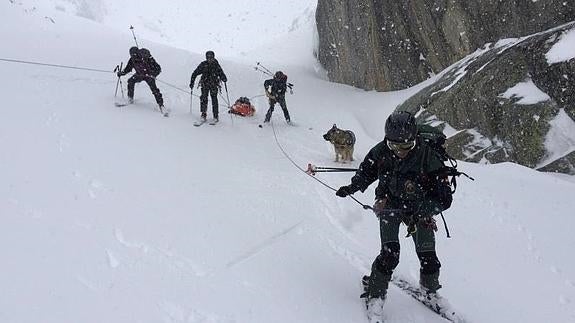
{"points": [[506, 102], [390, 44]]}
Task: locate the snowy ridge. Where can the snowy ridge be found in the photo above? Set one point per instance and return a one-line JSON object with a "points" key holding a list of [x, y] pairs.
{"points": [[121, 215]]}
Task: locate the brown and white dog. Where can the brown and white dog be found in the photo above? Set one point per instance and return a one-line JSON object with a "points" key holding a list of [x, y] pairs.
{"points": [[343, 141]]}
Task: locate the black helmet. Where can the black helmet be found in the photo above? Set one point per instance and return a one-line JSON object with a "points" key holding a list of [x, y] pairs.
{"points": [[400, 127], [134, 51], [279, 75], [210, 54]]}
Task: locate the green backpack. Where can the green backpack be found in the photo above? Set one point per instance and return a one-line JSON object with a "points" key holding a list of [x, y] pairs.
{"points": [[436, 139]]}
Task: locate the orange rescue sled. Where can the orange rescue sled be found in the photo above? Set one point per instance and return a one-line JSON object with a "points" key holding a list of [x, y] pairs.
{"points": [[243, 107]]}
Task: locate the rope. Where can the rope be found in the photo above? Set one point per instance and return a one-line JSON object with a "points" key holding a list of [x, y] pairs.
{"points": [[177, 88], [54, 65], [188, 91], [256, 96], [365, 206]]}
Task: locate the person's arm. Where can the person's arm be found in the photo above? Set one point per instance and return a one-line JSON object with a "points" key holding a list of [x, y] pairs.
{"points": [[437, 196], [128, 68], [222, 75], [197, 71], [366, 174], [267, 84], [436, 200], [282, 88]]}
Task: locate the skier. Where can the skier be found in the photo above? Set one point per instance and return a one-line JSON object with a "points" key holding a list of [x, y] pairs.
{"points": [[412, 188], [277, 94], [212, 76], [147, 69]]}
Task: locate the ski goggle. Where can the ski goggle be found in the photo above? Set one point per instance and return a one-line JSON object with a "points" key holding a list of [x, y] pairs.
{"points": [[401, 146]]}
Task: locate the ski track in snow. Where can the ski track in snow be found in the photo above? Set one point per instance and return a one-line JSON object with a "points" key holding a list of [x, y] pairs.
{"points": [[120, 253], [182, 314], [162, 256], [260, 247]]}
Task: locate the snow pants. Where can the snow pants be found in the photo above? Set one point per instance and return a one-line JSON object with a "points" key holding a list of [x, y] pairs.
{"points": [[213, 92], [282, 101], [423, 238], [137, 78]]}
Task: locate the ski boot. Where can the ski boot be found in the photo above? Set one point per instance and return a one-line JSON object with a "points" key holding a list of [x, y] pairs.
{"points": [[375, 293], [429, 283]]}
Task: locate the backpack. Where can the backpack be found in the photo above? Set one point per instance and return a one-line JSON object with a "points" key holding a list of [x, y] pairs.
{"points": [[436, 139], [155, 68]]}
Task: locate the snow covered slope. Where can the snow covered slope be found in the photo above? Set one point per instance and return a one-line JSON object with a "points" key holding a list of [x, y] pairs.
{"points": [[231, 28], [120, 215]]}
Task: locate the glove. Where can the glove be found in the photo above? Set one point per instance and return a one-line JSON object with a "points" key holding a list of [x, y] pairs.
{"points": [[345, 191], [379, 205], [120, 74], [192, 86]]}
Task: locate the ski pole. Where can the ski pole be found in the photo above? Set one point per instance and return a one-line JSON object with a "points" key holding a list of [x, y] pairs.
{"points": [[312, 169], [265, 68], [261, 68], [134, 35], [118, 82], [229, 107], [191, 98]]}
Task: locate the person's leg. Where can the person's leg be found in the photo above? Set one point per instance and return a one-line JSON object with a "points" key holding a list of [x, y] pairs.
{"points": [[270, 110], [388, 258], [282, 102], [131, 85], [424, 239], [155, 91], [204, 101], [214, 97]]}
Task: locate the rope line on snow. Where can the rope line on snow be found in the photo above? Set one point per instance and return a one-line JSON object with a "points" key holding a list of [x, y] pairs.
{"points": [[185, 91], [365, 206], [54, 65]]}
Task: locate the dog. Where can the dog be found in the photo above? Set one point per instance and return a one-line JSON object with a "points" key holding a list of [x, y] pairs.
{"points": [[343, 142]]}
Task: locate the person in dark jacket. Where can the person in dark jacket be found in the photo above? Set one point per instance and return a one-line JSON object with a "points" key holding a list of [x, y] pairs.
{"points": [[212, 74], [147, 69], [412, 188], [276, 92]]}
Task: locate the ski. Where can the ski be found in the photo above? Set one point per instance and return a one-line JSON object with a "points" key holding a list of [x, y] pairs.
{"points": [[434, 302], [213, 122], [165, 112], [120, 104], [199, 122], [373, 306]]}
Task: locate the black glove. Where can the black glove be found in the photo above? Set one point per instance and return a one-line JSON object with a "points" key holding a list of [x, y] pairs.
{"points": [[120, 74], [345, 191], [192, 86], [379, 205]]}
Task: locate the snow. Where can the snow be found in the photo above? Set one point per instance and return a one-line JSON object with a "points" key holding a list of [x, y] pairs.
{"points": [[120, 215], [563, 50], [232, 29], [528, 93], [560, 140]]}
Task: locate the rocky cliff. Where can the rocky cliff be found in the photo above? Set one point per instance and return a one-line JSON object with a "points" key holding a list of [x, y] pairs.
{"points": [[513, 100], [390, 44]]}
